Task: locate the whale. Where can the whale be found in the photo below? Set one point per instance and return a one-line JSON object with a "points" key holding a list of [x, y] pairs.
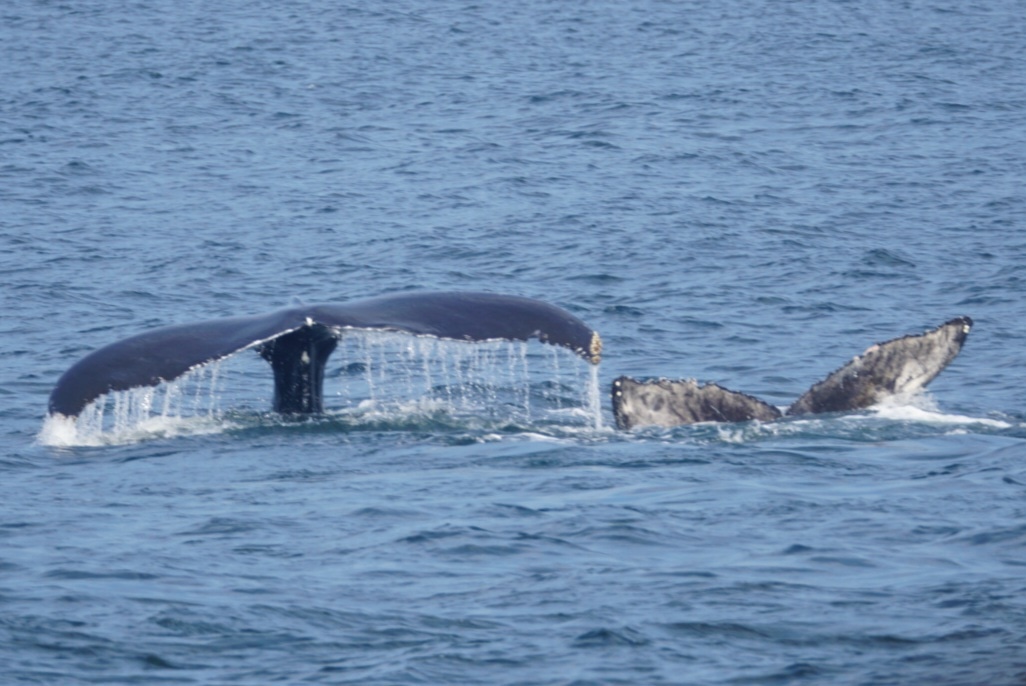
{"points": [[297, 342], [899, 367]]}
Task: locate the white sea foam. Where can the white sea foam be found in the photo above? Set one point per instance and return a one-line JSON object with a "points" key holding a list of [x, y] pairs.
{"points": [[923, 409], [59, 431], [916, 409]]}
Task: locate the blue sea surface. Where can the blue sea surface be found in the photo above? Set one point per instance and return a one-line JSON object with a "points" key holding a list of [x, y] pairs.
{"points": [[742, 192]]}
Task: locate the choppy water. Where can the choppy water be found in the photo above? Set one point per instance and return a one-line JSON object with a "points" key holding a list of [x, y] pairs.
{"points": [[746, 193]]}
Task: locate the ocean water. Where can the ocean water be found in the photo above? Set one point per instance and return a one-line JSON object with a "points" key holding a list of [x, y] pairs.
{"points": [[747, 193]]}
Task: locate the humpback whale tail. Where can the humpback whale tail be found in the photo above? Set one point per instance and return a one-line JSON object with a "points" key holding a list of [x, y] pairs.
{"points": [[297, 342], [901, 366]]}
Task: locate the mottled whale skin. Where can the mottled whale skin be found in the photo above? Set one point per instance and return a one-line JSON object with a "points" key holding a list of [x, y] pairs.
{"points": [[667, 403], [902, 366], [297, 341]]}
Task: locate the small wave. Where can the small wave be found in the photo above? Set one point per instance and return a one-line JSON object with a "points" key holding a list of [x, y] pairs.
{"points": [[605, 637]]}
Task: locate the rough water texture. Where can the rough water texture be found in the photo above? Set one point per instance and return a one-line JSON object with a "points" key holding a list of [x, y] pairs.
{"points": [[743, 193]]}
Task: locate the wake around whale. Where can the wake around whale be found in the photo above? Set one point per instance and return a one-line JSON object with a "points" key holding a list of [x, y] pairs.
{"points": [[298, 341], [900, 367]]}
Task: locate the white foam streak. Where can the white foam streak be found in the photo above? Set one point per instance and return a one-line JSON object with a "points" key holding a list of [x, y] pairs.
{"points": [[920, 409], [924, 410], [59, 431]]}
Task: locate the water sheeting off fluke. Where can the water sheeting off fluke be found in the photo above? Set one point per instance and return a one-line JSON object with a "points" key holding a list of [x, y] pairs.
{"points": [[292, 340], [375, 379], [391, 375]]}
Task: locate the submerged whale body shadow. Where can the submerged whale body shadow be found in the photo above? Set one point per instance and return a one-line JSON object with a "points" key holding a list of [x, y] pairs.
{"points": [[901, 366], [297, 342]]}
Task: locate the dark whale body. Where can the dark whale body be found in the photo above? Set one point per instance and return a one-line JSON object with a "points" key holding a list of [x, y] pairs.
{"points": [[898, 367], [297, 342]]}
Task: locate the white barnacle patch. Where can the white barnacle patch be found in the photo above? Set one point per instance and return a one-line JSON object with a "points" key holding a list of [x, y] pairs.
{"points": [[595, 348], [305, 357]]}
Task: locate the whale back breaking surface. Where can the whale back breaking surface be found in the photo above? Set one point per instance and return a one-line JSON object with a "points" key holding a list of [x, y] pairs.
{"points": [[297, 341], [900, 367], [662, 402]]}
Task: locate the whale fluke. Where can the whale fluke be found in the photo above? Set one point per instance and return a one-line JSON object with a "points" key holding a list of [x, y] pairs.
{"points": [[902, 366], [297, 342]]}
